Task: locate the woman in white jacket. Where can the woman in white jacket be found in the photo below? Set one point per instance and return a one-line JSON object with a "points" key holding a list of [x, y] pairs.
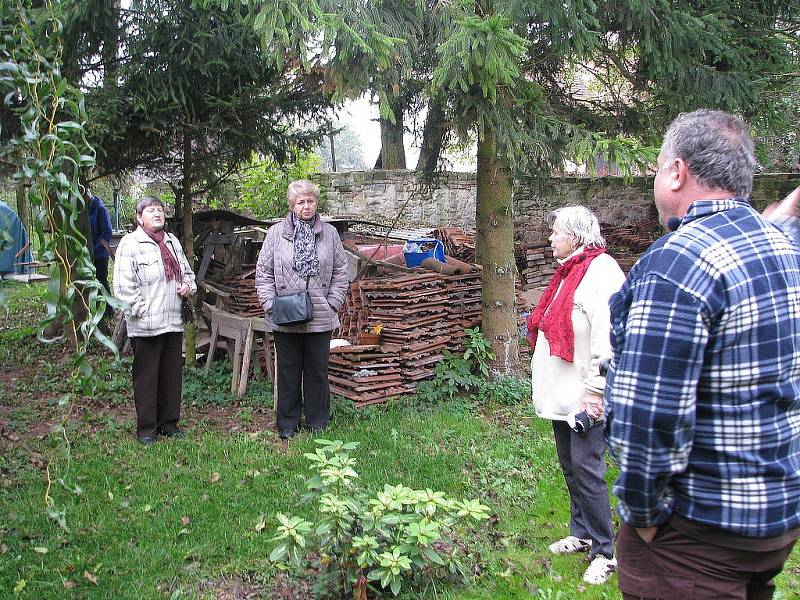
{"points": [[569, 330]]}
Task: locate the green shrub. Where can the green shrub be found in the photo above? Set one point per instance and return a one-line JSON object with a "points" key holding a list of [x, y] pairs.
{"points": [[388, 538], [456, 375], [264, 181]]}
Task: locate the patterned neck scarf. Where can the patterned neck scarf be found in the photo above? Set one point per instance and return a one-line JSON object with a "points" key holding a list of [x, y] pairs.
{"points": [[172, 270], [306, 262]]}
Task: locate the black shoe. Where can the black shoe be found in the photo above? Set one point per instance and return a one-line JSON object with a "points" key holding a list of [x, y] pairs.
{"points": [[172, 433], [146, 439]]}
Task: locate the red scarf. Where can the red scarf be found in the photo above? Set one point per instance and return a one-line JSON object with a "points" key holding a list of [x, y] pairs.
{"points": [[556, 323], [171, 268]]}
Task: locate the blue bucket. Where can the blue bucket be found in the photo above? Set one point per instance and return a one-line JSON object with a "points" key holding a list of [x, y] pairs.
{"points": [[415, 251]]}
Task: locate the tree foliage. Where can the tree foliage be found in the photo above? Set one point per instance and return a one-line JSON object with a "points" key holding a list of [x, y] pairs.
{"points": [[198, 79], [541, 82], [263, 184], [347, 150]]}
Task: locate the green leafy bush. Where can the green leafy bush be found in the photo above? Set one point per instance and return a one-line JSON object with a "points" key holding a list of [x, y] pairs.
{"points": [[456, 375], [264, 181], [387, 538]]}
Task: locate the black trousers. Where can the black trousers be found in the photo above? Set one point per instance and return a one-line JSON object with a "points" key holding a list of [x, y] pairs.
{"points": [[582, 458], [302, 380], [157, 381], [101, 268]]}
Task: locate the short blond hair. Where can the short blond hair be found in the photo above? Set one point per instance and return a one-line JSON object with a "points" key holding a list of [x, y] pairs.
{"points": [[299, 187], [581, 222]]}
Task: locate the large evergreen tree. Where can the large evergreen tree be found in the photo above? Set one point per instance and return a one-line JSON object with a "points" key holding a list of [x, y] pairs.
{"points": [[542, 81]]}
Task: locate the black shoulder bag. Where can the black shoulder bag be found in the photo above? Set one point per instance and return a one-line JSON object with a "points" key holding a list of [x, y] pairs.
{"points": [[293, 309]]}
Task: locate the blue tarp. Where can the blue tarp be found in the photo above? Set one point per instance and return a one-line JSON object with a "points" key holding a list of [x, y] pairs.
{"points": [[13, 238]]}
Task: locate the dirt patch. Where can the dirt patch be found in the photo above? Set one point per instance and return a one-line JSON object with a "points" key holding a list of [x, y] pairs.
{"points": [[34, 380], [231, 588]]}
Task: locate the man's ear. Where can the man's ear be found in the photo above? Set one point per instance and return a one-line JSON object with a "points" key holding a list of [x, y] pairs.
{"points": [[678, 174]]}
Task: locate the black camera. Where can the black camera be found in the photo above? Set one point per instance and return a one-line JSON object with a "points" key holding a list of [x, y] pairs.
{"points": [[583, 423]]}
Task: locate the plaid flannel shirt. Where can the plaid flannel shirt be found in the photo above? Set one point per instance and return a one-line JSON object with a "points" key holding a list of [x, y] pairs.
{"points": [[704, 393]]}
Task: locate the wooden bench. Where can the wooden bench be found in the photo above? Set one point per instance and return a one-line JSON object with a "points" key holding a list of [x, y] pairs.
{"points": [[240, 332]]}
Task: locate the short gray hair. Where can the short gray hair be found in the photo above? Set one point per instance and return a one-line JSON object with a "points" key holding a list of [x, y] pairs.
{"points": [[579, 221], [301, 186], [147, 201], [717, 148]]}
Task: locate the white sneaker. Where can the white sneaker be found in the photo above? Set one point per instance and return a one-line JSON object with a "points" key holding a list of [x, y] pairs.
{"points": [[600, 569], [569, 545]]}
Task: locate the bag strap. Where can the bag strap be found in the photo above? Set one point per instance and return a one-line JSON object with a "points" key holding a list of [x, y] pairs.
{"points": [[307, 280]]}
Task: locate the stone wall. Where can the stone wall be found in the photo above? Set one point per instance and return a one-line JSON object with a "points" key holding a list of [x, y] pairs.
{"points": [[381, 195], [450, 199]]}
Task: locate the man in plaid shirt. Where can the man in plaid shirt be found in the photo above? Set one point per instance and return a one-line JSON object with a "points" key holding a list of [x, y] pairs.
{"points": [[703, 393]]}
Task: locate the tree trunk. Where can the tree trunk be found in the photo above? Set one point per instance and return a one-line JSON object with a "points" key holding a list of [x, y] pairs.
{"points": [[111, 45], [333, 153], [495, 236], [188, 237], [24, 208], [432, 138], [393, 152]]}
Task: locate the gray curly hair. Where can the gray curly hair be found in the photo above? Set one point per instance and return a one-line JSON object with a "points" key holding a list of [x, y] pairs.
{"points": [[717, 148]]}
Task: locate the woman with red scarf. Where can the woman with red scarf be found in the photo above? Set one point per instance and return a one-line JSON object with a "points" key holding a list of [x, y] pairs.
{"points": [[152, 276], [569, 331]]}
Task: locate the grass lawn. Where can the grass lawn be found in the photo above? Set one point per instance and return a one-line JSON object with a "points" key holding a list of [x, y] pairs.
{"points": [[178, 519]]}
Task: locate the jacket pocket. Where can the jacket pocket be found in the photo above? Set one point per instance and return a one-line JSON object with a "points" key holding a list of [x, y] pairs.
{"points": [[149, 268]]}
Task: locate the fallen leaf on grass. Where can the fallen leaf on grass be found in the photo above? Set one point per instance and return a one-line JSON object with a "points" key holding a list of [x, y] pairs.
{"points": [[261, 524], [69, 584], [40, 550], [90, 577], [3, 548], [214, 478], [185, 520]]}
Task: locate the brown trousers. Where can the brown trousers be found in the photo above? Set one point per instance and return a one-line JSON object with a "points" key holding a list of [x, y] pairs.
{"points": [[675, 566], [157, 381]]}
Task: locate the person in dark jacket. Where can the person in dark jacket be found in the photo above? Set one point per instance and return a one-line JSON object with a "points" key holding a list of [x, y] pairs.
{"points": [[100, 224], [301, 252]]}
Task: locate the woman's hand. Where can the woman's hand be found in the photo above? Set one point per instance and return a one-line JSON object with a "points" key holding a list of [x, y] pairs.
{"points": [[184, 290], [593, 405]]}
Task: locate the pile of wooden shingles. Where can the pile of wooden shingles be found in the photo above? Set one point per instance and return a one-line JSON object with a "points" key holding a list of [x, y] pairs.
{"points": [[535, 264], [241, 298], [422, 315], [626, 243]]}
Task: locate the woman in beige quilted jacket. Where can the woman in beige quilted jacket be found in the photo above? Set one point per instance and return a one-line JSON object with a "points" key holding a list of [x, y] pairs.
{"points": [[302, 249]]}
